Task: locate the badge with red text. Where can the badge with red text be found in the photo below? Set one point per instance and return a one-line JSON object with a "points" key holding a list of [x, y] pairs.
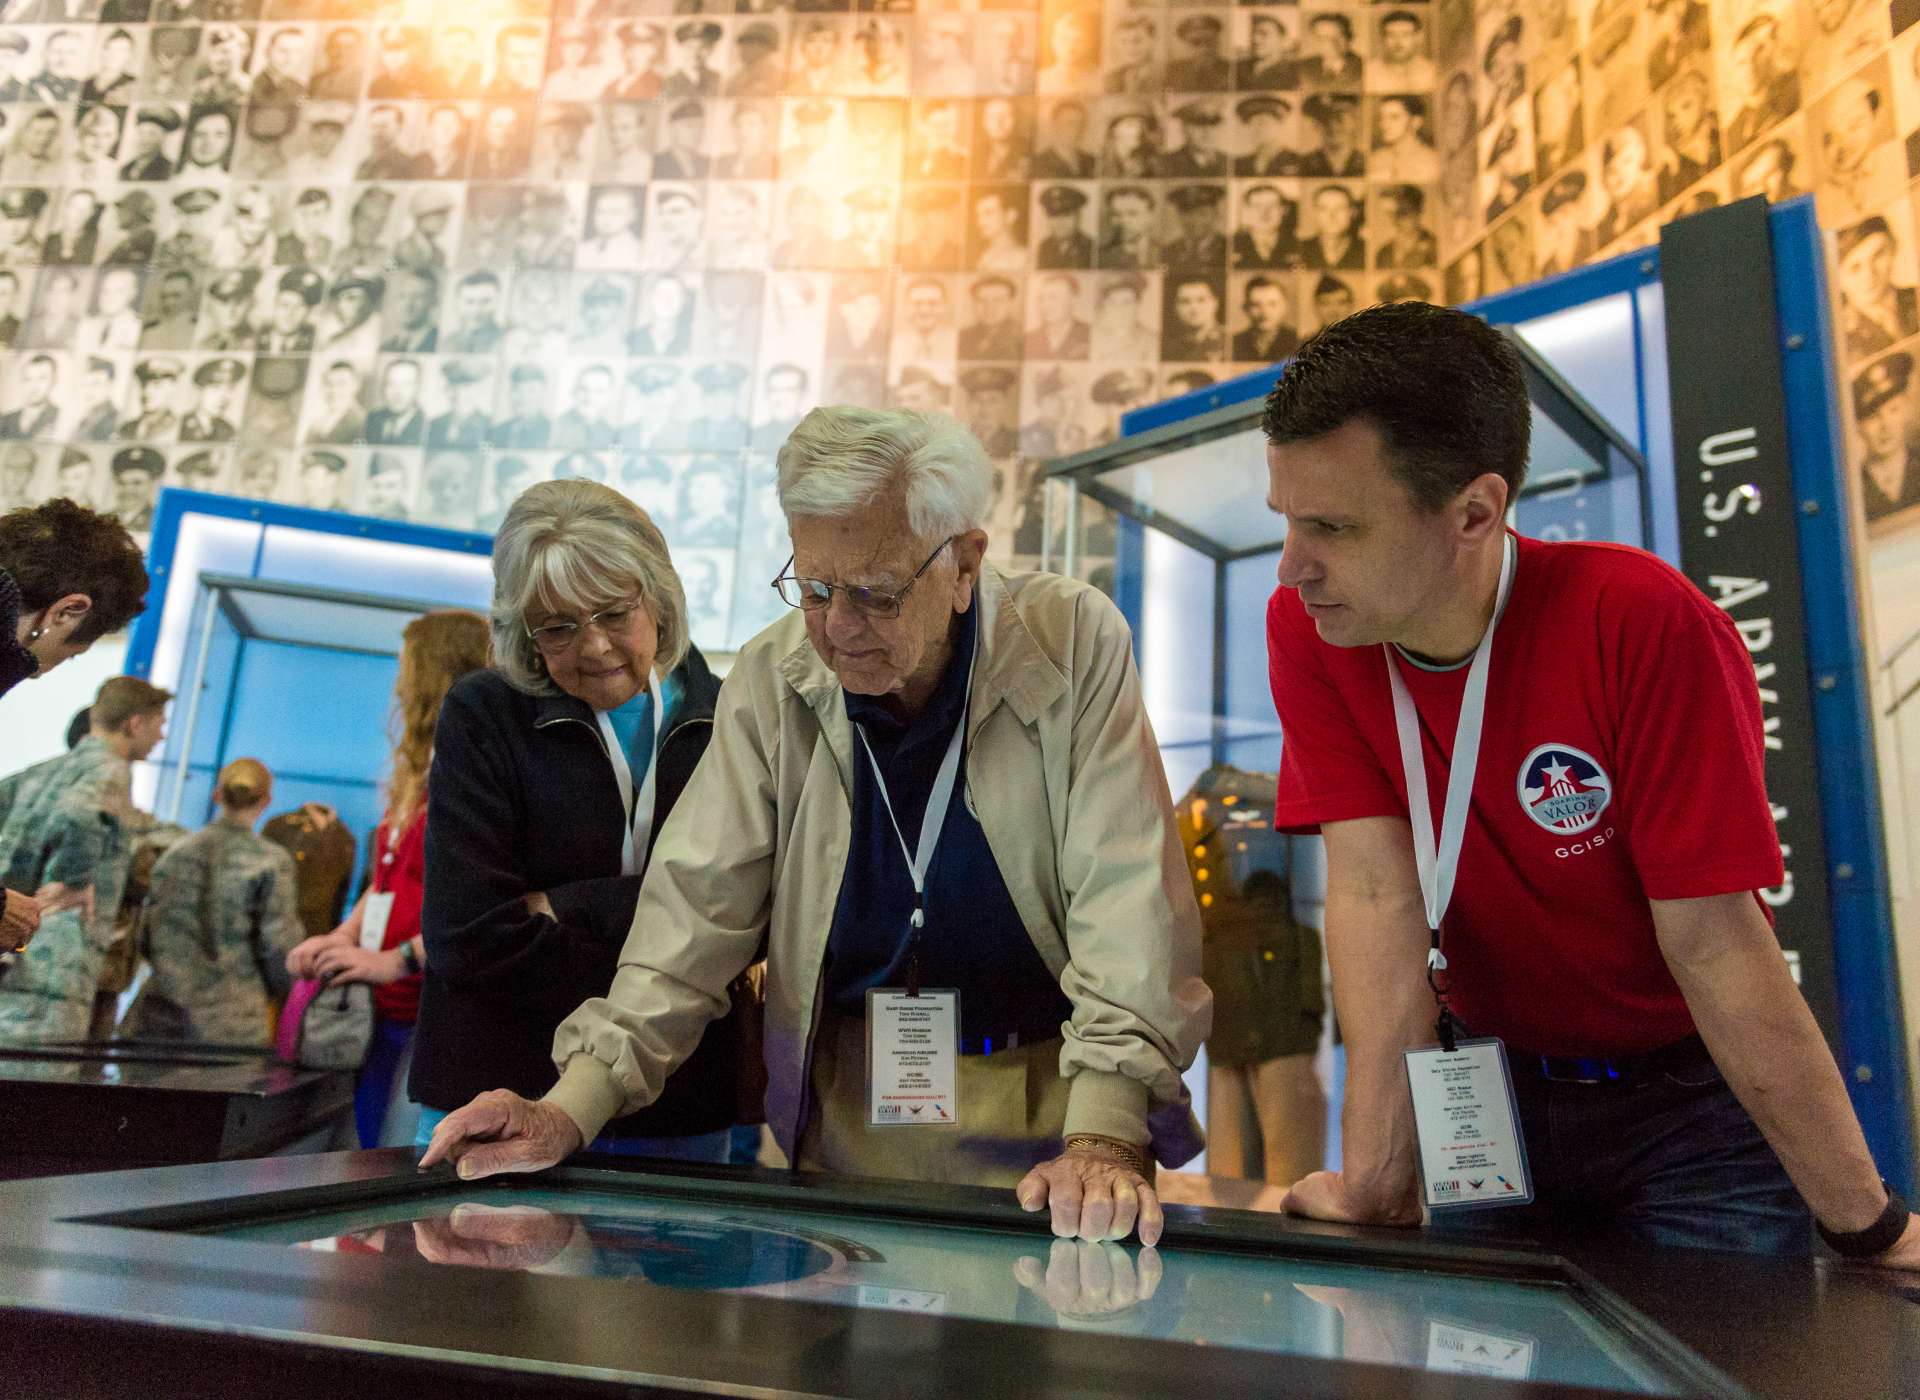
{"points": [[913, 1059], [1471, 1151]]}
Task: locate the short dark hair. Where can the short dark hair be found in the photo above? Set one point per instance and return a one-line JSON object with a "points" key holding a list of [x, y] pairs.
{"points": [[57, 548], [1446, 391]]}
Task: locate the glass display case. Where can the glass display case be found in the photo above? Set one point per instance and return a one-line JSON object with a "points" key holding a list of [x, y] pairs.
{"points": [[1173, 524]]}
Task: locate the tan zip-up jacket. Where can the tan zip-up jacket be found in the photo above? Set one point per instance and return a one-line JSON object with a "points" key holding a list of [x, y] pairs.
{"points": [[1064, 776]]}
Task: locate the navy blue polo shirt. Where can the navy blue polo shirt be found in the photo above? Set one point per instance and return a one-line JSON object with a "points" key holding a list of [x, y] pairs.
{"points": [[974, 939]]}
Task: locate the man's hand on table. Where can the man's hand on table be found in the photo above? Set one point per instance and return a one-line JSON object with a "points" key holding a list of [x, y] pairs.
{"points": [[502, 1132], [1094, 1196], [19, 921], [1085, 1280], [1329, 1196]]}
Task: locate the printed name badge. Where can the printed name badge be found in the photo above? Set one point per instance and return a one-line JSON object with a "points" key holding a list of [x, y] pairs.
{"points": [[374, 919], [913, 1059], [1471, 1151]]}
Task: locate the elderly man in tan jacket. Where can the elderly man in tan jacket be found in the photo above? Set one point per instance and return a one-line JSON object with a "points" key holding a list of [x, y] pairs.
{"points": [[934, 803]]}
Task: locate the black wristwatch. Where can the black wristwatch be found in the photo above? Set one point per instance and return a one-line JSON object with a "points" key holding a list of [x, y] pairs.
{"points": [[410, 958], [1877, 1238]]}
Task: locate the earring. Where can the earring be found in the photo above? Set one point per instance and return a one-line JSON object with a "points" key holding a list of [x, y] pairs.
{"points": [[36, 634]]}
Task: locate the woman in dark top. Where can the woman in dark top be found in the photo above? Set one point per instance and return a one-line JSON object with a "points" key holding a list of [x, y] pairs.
{"points": [[551, 773]]}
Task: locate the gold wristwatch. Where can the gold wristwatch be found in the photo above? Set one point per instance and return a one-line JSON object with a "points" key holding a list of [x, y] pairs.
{"points": [[1128, 1155]]}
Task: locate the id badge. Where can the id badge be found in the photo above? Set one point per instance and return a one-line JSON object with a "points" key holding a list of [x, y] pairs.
{"points": [[1471, 1151], [913, 1058], [374, 919]]}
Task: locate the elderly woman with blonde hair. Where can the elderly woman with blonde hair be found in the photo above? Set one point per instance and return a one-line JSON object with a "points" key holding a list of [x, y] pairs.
{"points": [[934, 798], [553, 774]]}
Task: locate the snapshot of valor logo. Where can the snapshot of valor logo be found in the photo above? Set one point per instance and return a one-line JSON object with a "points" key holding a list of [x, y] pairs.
{"points": [[1564, 788]]}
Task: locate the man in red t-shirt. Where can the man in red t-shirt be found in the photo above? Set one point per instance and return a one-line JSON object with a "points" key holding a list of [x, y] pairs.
{"points": [[1672, 1086]]}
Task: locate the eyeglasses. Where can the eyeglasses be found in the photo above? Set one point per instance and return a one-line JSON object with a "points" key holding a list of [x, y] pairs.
{"points": [[557, 638], [813, 594]]}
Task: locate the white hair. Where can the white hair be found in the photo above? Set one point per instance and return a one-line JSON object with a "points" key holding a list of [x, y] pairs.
{"points": [[839, 460], [577, 546]]}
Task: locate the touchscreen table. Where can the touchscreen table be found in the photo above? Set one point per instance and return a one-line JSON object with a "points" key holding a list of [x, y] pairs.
{"points": [[313, 1277], [1480, 1326]]}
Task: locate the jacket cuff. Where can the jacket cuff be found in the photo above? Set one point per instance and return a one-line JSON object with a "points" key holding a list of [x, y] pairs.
{"points": [[1107, 1104], [588, 1094]]}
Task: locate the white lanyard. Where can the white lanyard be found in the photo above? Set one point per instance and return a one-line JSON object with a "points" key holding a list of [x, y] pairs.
{"points": [[1440, 863], [637, 837], [933, 822]]}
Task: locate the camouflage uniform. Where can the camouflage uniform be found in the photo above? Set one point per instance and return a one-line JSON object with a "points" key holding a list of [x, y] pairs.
{"points": [[65, 820], [220, 921]]}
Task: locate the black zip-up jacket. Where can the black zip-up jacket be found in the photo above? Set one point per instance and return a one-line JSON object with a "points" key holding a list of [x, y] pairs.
{"points": [[522, 799]]}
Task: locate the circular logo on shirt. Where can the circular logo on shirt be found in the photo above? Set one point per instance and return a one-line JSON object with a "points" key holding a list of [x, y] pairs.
{"points": [[1564, 789]]}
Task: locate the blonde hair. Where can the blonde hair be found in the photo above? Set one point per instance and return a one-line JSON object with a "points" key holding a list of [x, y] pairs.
{"points": [[243, 783], [435, 651], [578, 545]]}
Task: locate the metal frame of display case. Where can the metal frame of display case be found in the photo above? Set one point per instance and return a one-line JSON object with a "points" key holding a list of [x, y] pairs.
{"points": [[106, 1290], [176, 504], [1562, 404]]}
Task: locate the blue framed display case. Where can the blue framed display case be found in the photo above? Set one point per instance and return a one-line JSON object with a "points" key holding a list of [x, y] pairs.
{"points": [[257, 609]]}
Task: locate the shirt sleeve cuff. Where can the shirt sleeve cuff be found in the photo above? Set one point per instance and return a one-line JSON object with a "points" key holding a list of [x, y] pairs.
{"points": [[588, 1094], [1109, 1105]]}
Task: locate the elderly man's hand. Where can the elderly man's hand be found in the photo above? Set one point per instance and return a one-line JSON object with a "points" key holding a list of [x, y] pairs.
{"points": [[1329, 1196], [495, 1237], [19, 920], [1094, 1195], [1084, 1280], [502, 1132]]}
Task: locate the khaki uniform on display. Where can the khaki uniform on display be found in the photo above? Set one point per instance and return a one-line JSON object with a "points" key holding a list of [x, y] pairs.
{"points": [[1064, 776], [65, 820], [1266, 1109], [220, 922], [151, 839], [323, 852]]}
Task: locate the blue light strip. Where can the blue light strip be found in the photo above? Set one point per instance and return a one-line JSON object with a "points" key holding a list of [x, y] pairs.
{"points": [[1860, 899]]}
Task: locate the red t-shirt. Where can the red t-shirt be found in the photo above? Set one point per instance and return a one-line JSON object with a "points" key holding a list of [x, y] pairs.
{"points": [[1621, 761], [401, 871]]}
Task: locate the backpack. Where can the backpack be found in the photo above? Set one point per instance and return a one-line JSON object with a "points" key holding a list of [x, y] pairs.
{"points": [[326, 1027]]}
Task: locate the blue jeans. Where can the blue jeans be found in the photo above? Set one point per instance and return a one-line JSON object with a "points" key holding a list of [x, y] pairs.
{"points": [[699, 1147], [1670, 1158], [373, 1090]]}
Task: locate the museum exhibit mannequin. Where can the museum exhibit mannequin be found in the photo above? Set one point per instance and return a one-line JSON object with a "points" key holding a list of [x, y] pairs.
{"points": [[1266, 1107], [1589, 725]]}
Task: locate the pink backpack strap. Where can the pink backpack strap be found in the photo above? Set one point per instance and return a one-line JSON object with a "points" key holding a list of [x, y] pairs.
{"points": [[286, 1041]]}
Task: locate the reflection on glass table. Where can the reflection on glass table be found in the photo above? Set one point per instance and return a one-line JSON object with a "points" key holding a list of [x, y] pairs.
{"points": [[1402, 1317]]}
